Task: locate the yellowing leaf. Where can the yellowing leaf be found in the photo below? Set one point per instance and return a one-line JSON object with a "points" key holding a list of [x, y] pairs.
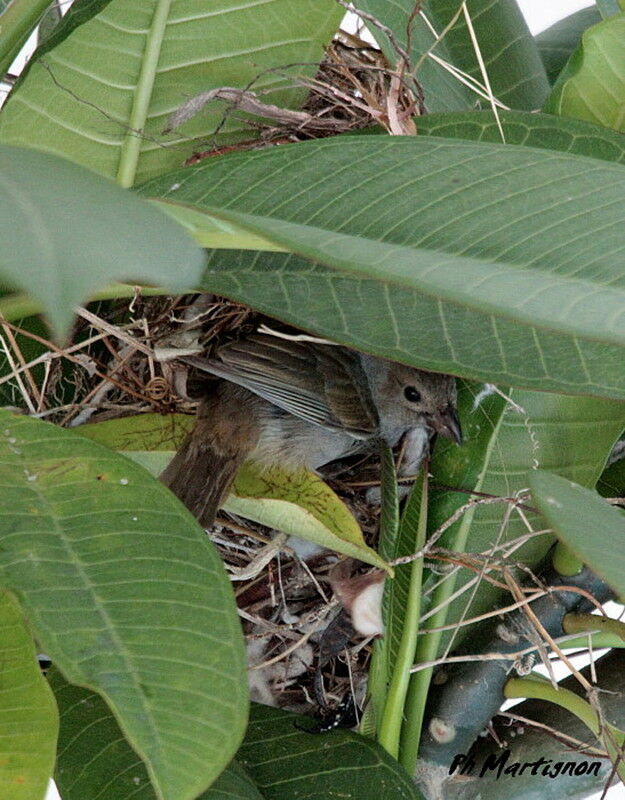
{"points": [[299, 504]]}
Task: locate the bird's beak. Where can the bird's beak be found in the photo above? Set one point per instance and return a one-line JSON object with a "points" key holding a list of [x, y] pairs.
{"points": [[446, 423]]}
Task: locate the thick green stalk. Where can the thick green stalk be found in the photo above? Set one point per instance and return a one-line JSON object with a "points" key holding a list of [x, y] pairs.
{"points": [[578, 623], [391, 723], [427, 650], [428, 645]]}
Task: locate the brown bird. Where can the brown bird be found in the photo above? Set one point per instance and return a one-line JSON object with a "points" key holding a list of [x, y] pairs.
{"points": [[300, 404]]}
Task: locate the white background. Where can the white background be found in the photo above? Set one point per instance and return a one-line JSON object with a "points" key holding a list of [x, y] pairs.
{"points": [[540, 14]]}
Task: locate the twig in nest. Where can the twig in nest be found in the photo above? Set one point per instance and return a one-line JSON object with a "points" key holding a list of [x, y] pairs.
{"points": [[246, 101]]}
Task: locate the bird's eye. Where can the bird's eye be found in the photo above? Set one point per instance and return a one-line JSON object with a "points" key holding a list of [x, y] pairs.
{"points": [[411, 394]]}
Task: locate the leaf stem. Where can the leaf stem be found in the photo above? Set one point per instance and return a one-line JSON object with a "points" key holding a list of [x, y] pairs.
{"points": [[393, 714], [579, 623], [131, 146], [539, 688], [564, 560]]}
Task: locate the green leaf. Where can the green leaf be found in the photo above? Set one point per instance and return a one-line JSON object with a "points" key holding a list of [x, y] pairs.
{"points": [[101, 90], [288, 764], [568, 435], [150, 440], [141, 432], [608, 8], [515, 71], [17, 21], [557, 43], [494, 245], [127, 596], [612, 480], [68, 232], [512, 61], [590, 527], [531, 130], [28, 714], [299, 504], [212, 232], [389, 506], [592, 85], [95, 760], [276, 760]]}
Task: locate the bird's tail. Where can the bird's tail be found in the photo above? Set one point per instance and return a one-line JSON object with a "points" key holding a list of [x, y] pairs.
{"points": [[202, 471]]}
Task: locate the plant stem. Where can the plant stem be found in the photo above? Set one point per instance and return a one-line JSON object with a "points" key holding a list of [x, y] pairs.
{"points": [[391, 723], [131, 146], [579, 623], [539, 688]]}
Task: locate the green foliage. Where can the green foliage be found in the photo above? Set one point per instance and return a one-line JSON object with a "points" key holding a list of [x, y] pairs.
{"points": [[515, 72], [101, 90], [592, 528], [531, 130], [17, 20], [127, 596], [28, 738], [300, 504], [592, 85], [59, 246], [488, 246], [275, 760], [557, 43], [490, 266]]}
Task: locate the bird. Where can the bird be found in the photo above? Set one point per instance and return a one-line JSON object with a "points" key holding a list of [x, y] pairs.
{"points": [[300, 404]]}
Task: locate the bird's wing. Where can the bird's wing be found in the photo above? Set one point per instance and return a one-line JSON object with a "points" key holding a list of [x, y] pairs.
{"points": [[322, 384]]}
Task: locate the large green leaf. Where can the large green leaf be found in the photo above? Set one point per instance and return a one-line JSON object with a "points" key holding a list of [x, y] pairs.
{"points": [[95, 761], [557, 43], [531, 130], [592, 528], [101, 90], [462, 257], [592, 85], [288, 764], [514, 68], [66, 232], [299, 504], [28, 714], [276, 760], [127, 596]]}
